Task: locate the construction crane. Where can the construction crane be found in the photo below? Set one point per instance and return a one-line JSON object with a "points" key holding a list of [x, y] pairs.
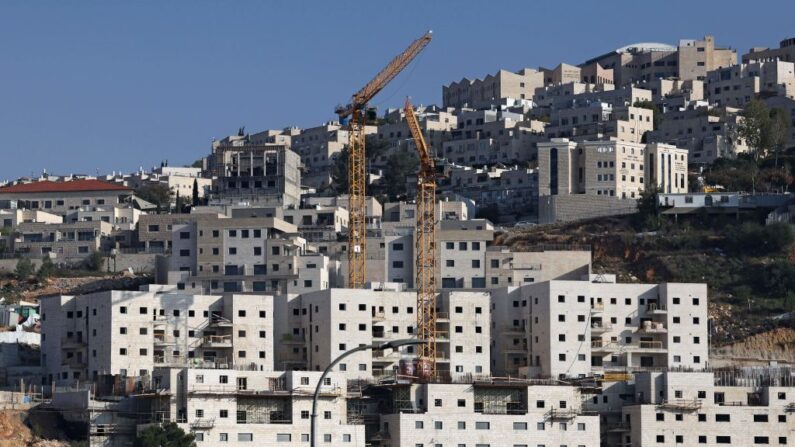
{"points": [[425, 249], [357, 229]]}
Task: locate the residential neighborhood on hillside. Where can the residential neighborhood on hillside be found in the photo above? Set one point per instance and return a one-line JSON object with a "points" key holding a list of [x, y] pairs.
{"points": [[595, 254]]}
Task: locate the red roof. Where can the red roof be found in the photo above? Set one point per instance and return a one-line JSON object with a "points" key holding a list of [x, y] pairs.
{"points": [[69, 186]]}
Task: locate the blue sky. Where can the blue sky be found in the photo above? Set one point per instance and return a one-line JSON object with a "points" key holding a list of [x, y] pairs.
{"points": [[109, 85]]}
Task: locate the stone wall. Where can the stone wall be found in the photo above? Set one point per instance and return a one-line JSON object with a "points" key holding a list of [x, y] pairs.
{"points": [[568, 208]]}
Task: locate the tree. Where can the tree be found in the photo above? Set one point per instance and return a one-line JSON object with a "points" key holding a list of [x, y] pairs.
{"points": [[95, 261], [24, 269], [195, 198], [779, 130], [165, 435], [46, 269], [339, 172], [156, 193], [648, 217], [399, 166], [752, 127]]}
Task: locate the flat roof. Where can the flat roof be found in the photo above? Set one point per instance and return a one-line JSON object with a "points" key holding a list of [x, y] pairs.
{"points": [[68, 186]]}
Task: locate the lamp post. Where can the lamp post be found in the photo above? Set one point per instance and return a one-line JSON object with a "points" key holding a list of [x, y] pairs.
{"points": [[375, 347]]}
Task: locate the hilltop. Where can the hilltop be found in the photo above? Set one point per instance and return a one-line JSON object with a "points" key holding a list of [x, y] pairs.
{"points": [[747, 266]]}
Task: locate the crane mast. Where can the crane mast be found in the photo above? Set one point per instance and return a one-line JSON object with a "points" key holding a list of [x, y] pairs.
{"points": [[357, 227], [425, 249]]}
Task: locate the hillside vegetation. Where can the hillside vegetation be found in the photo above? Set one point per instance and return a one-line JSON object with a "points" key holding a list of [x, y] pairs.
{"points": [[747, 266]]}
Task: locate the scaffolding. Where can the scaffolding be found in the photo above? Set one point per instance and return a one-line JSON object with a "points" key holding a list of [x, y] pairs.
{"points": [[263, 410], [500, 400]]}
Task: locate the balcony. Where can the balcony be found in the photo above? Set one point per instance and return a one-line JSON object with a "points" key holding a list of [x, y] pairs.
{"points": [[649, 327], [385, 357], [681, 405], [293, 339], [597, 308], [656, 309], [163, 340], [217, 341], [612, 346], [202, 424], [601, 328], [219, 321], [442, 317], [73, 343], [379, 316], [513, 330], [168, 360]]}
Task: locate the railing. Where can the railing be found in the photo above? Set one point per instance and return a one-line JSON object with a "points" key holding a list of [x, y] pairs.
{"points": [[442, 316], [597, 307], [380, 316], [160, 339], [651, 345], [293, 338], [656, 307], [202, 423], [442, 335], [170, 359], [601, 327], [515, 329], [682, 404], [225, 340]]}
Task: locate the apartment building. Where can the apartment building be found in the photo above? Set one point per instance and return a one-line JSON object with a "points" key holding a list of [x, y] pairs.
{"points": [[608, 168], [596, 120], [562, 74], [784, 52], [737, 85], [485, 412], [436, 124], [179, 180], [579, 328], [461, 253], [513, 191], [68, 243], [482, 93], [318, 147], [265, 174], [570, 95], [691, 59], [62, 197], [10, 218], [129, 333], [697, 408], [706, 133], [675, 94], [333, 321], [231, 406], [245, 254], [318, 223], [122, 217]]}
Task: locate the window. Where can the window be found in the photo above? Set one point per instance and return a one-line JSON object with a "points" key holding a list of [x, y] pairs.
{"points": [[223, 437], [122, 351], [760, 418], [223, 413], [438, 425], [281, 437], [660, 439], [482, 426], [761, 440], [520, 425], [660, 417], [722, 418], [419, 425], [723, 439]]}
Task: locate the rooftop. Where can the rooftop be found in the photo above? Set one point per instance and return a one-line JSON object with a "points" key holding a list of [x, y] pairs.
{"points": [[67, 186]]}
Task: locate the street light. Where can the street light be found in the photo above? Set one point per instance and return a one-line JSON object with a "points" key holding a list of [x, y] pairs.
{"points": [[395, 344]]}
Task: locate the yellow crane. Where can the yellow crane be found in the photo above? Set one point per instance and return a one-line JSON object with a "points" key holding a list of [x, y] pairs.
{"points": [[357, 228], [424, 249]]}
